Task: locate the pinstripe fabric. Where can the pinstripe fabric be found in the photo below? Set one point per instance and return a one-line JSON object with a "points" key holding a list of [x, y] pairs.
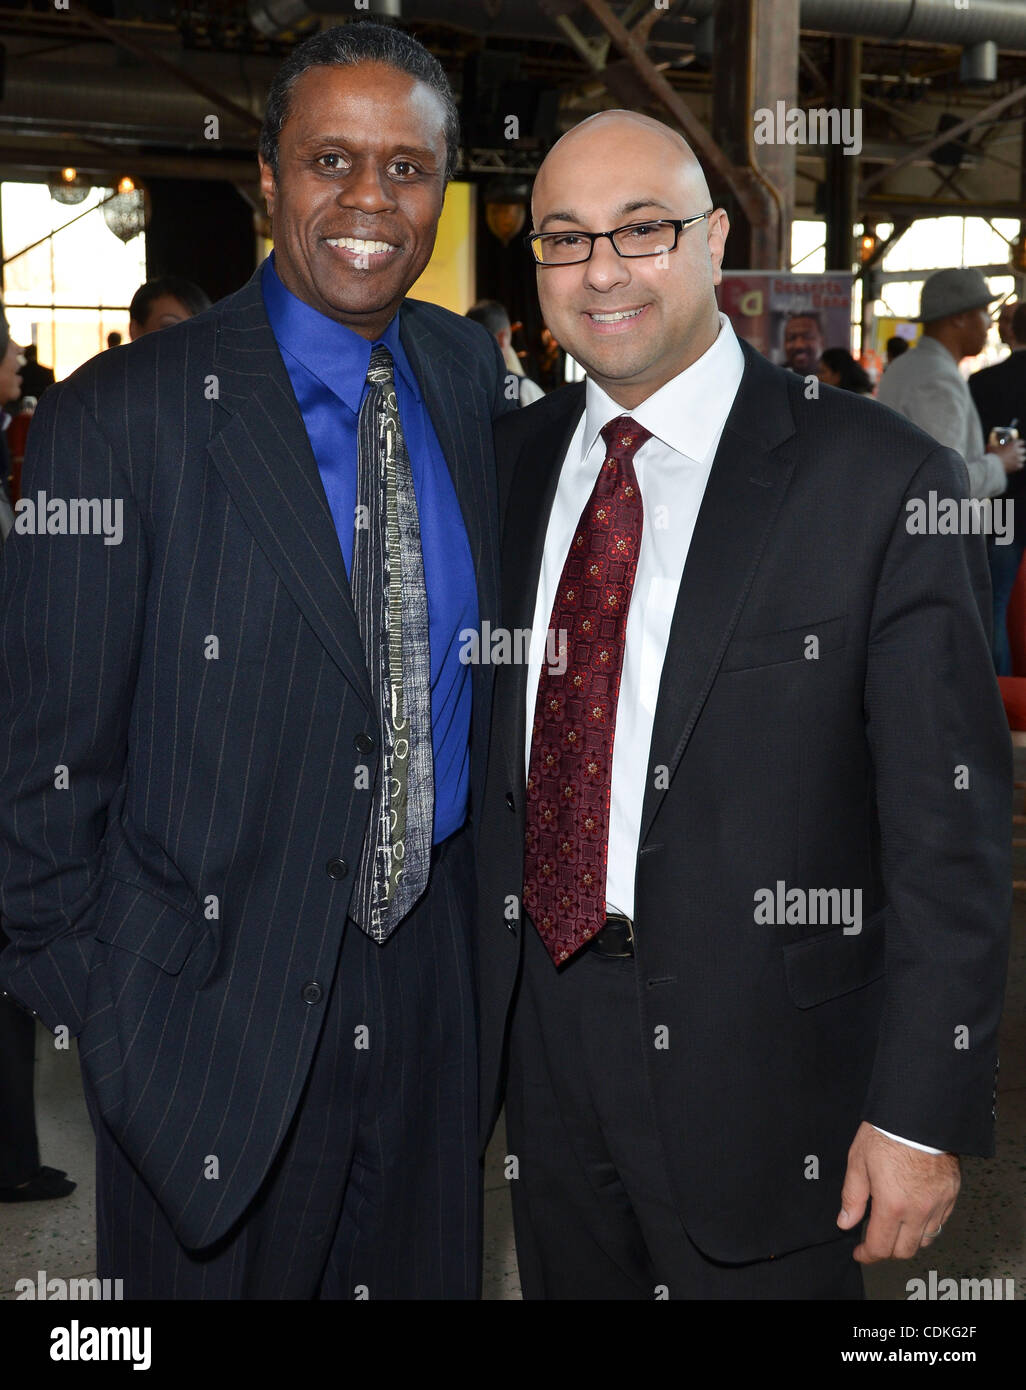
{"points": [[204, 684], [375, 1191]]}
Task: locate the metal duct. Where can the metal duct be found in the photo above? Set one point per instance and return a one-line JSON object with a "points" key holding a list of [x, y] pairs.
{"points": [[125, 103], [1004, 21]]}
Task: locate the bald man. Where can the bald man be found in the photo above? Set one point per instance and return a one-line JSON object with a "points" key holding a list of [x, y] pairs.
{"points": [[745, 867]]}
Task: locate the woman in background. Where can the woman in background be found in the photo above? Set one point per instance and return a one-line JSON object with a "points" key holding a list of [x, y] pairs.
{"points": [[837, 367]]}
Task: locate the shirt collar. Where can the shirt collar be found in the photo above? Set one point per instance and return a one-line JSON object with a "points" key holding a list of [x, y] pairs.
{"points": [[688, 411], [330, 351]]}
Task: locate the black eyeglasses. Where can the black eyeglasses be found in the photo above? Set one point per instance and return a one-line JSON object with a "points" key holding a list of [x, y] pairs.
{"points": [[636, 239]]}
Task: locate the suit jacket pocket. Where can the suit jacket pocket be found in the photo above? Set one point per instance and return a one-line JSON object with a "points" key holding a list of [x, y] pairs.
{"points": [[830, 964], [146, 923], [786, 644]]}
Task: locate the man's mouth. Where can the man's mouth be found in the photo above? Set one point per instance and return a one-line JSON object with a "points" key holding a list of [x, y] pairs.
{"points": [[614, 320], [362, 247]]}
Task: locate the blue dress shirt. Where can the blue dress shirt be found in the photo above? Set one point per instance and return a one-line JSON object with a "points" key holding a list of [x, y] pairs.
{"points": [[327, 364]]}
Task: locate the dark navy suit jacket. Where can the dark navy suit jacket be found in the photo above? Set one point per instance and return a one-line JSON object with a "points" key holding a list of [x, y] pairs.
{"points": [[203, 683]]}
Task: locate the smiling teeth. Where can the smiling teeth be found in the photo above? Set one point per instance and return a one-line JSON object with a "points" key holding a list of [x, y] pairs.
{"points": [[615, 318], [363, 248]]}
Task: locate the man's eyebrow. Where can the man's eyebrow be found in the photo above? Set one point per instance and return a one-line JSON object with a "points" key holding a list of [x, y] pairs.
{"points": [[307, 142], [624, 210]]}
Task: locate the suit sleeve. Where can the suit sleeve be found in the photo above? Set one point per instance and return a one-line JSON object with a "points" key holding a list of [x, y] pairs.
{"points": [[71, 615], [506, 382], [939, 409], [943, 781]]}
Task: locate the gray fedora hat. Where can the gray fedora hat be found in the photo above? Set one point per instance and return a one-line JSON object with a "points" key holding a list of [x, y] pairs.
{"points": [[953, 292]]}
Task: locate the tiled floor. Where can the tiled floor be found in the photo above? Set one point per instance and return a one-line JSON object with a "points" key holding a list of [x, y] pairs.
{"points": [[985, 1236]]}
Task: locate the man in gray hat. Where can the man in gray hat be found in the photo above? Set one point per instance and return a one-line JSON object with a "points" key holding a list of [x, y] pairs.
{"points": [[927, 387]]}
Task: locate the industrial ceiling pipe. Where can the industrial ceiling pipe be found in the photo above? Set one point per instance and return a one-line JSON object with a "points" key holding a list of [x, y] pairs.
{"points": [[1001, 21], [939, 21]]}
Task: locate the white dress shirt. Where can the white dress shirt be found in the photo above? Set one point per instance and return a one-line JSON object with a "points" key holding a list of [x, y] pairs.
{"points": [[685, 417]]}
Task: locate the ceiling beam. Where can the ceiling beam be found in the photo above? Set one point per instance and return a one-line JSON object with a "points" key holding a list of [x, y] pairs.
{"points": [[946, 137], [157, 60]]}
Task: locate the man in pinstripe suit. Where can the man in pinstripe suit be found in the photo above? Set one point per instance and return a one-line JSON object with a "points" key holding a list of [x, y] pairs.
{"points": [[284, 1107]]}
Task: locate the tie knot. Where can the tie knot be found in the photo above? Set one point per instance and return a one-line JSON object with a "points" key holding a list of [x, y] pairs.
{"points": [[623, 437], [380, 368]]}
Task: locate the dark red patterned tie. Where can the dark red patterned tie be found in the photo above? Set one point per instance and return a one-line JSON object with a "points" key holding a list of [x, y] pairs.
{"points": [[567, 834]]}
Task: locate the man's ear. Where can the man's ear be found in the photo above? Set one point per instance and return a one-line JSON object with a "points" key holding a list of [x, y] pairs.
{"points": [[268, 187], [719, 226]]}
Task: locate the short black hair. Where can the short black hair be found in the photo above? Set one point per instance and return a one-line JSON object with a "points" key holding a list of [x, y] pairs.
{"points": [[185, 291], [1019, 323], [896, 346], [806, 314], [346, 45], [854, 376], [491, 315]]}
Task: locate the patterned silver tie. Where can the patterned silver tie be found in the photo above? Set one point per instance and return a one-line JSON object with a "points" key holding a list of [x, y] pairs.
{"points": [[392, 615]]}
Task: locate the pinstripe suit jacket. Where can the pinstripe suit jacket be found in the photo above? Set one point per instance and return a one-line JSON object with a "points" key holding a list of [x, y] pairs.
{"points": [[204, 686]]}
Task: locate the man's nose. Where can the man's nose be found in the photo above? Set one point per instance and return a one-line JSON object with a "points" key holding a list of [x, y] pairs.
{"points": [[604, 266], [368, 188]]}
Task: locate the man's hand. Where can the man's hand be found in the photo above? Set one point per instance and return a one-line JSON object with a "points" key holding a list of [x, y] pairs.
{"points": [[913, 1195], [1011, 454]]}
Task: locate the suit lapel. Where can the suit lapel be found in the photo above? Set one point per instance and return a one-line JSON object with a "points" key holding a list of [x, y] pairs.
{"points": [[462, 429], [746, 486], [532, 490], [264, 456], [464, 432]]}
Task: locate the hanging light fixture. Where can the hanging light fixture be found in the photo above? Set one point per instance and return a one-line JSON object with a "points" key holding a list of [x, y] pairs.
{"points": [[128, 212], [68, 188], [506, 208]]}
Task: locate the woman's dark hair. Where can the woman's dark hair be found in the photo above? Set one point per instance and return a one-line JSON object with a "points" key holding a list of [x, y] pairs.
{"points": [[189, 295], [345, 45], [853, 377]]}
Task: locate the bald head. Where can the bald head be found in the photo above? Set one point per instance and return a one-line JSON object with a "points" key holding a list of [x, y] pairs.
{"points": [[640, 311], [605, 137]]}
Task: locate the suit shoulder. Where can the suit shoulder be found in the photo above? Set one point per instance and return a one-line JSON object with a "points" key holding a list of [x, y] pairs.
{"points": [[1009, 369], [155, 356], [878, 450], [463, 332], [541, 415], [469, 344]]}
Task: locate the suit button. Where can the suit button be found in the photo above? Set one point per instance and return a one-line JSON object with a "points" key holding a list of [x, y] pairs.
{"points": [[513, 927], [337, 868], [312, 992], [510, 802], [364, 743]]}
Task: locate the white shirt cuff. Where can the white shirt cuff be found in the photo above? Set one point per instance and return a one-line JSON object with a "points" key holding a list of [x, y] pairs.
{"points": [[925, 1148]]}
